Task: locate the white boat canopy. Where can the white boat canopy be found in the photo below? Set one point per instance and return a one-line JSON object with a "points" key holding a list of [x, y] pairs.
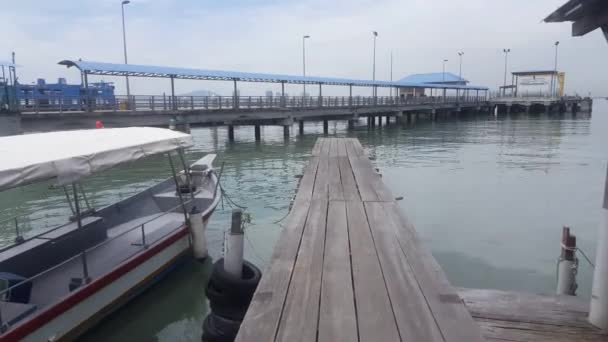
{"points": [[68, 156]]}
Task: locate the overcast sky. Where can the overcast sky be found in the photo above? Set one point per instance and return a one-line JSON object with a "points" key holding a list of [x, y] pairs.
{"points": [[266, 36]]}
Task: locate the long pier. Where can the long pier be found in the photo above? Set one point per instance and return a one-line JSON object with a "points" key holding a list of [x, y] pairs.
{"points": [[349, 266]]}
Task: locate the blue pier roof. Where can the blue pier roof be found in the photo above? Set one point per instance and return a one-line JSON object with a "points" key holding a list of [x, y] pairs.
{"points": [[434, 77], [111, 69]]}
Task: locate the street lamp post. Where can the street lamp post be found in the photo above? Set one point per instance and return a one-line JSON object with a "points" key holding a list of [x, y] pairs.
{"points": [[304, 62], [391, 88], [124, 41], [460, 54], [374, 62], [554, 78], [504, 88]]}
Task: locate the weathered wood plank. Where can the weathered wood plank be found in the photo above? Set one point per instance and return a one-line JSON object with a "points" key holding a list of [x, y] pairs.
{"points": [[375, 318], [306, 186], [526, 307], [316, 149], [325, 147], [513, 331], [262, 318], [337, 321], [299, 320], [333, 147], [349, 185], [336, 192], [414, 318], [448, 309], [363, 178], [342, 148], [321, 186]]}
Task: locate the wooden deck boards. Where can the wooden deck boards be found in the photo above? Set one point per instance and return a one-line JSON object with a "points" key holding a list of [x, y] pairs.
{"points": [[348, 266], [525, 317]]}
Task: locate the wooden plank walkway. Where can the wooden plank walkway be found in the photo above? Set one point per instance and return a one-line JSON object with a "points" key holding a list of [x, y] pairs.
{"points": [[525, 317], [348, 265]]}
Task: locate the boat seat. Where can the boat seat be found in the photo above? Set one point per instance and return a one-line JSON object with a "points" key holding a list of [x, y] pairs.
{"points": [[43, 251], [14, 312]]}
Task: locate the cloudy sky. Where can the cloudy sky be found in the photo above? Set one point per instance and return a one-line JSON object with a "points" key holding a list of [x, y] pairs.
{"points": [[266, 36]]}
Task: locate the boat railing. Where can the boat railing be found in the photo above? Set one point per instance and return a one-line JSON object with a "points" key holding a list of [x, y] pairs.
{"points": [[145, 243]]}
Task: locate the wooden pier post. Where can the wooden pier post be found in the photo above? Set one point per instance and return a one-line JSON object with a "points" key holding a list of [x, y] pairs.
{"points": [[566, 271], [325, 127]]}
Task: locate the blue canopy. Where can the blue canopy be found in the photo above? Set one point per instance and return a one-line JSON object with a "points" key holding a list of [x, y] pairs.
{"points": [[111, 69]]}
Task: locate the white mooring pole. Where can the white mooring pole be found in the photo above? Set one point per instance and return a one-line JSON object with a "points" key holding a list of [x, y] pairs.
{"points": [[233, 258], [197, 230], [567, 265], [598, 311]]}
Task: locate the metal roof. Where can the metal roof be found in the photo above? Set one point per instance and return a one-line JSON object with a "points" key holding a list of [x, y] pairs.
{"points": [[434, 77], [534, 72], [587, 15], [111, 69]]}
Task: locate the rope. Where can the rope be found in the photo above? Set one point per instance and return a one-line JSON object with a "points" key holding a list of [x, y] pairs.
{"points": [[578, 249]]}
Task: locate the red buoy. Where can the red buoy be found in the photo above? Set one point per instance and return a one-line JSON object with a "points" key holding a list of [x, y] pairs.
{"points": [[99, 124]]}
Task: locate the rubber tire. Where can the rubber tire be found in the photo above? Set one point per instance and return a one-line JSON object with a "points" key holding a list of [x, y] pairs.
{"points": [[243, 288], [234, 313], [226, 326], [211, 333]]}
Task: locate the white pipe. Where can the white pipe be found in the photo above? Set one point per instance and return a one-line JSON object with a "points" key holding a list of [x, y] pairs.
{"points": [[566, 277], [233, 259], [197, 231], [598, 311], [233, 255]]}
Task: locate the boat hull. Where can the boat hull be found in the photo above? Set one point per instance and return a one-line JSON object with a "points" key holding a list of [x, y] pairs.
{"points": [[87, 306]]}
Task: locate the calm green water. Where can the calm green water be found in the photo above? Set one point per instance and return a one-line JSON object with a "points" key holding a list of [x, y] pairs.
{"points": [[488, 195]]}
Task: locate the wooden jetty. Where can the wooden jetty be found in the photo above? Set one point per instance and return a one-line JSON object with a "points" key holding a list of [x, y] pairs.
{"points": [[348, 266]]}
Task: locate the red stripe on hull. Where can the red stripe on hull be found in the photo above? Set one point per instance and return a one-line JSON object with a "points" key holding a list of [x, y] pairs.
{"points": [[80, 295]]}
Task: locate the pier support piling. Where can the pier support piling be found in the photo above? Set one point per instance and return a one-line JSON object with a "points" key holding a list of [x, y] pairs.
{"points": [[286, 131], [258, 136], [230, 133], [325, 127], [233, 260], [301, 127]]}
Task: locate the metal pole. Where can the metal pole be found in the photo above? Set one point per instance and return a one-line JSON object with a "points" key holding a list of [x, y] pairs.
{"points": [[304, 63], [554, 89], [504, 89], [173, 104], [460, 67], [235, 96], [124, 42], [179, 193], [86, 91], [391, 88], [374, 63], [83, 254]]}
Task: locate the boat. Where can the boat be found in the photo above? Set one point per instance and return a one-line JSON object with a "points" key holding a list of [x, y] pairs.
{"points": [[59, 283]]}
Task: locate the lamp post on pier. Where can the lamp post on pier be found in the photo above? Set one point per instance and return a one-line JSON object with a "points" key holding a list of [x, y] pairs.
{"points": [[304, 62], [554, 78], [460, 54], [374, 62], [504, 88], [124, 41]]}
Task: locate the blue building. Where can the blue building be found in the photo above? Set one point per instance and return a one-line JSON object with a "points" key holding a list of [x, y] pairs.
{"points": [[63, 95]]}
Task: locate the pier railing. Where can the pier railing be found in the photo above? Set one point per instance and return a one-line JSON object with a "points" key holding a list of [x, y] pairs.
{"points": [[59, 103]]}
